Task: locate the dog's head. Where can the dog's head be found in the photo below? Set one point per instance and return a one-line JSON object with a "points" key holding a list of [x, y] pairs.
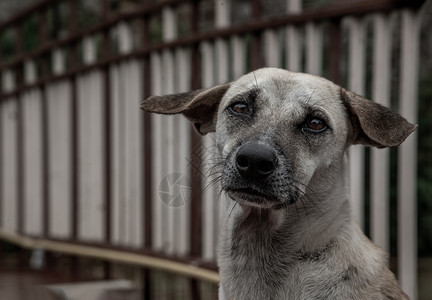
{"points": [[278, 131]]}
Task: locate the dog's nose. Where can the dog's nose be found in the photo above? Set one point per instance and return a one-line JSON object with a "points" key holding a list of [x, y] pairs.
{"points": [[255, 161]]}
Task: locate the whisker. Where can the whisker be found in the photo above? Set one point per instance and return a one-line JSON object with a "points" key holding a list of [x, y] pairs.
{"points": [[309, 189], [232, 209], [212, 182]]}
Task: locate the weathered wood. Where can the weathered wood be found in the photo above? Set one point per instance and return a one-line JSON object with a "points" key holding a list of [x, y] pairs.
{"points": [[407, 155], [356, 83], [380, 172]]}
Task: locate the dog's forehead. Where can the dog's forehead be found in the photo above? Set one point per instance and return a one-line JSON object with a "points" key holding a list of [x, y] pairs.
{"points": [[289, 87]]}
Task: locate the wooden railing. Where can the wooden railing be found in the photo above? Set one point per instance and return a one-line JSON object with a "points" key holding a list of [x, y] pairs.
{"points": [[82, 168]]}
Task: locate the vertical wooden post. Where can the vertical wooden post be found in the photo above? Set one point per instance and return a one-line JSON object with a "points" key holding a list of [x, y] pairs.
{"points": [[106, 92], [1, 148], [73, 61], [293, 40], [9, 153], [335, 45], [256, 53], [20, 167], [146, 165], [32, 153], [380, 158], [19, 82], [314, 49], [407, 155], [73, 13], [147, 238], [195, 204], [356, 83], [169, 33], [43, 38], [272, 48]]}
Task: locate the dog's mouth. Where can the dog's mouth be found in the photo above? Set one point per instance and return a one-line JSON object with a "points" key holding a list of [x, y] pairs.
{"points": [[253, 197]]}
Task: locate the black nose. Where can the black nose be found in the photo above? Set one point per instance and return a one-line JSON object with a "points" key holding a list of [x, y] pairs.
{"points": [[255, 161]]}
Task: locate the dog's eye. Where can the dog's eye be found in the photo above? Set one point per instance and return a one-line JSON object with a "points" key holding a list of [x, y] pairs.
{"points": [[315, 125], [239, 108]]}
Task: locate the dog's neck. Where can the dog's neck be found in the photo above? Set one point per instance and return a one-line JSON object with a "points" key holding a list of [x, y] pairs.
{"points": [[329, 214], [308, 226], [258, 248]]}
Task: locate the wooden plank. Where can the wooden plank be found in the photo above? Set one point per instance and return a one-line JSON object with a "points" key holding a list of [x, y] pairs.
{"points": [[182, 138], [293, 38], [239, 56], [293, 49], [90, 158], [2, 201], [212, 208], [9, 168], [294, 6], [8, 81], [33, 192], [91, 191], [29, 72], [221, 65], [380, 222], [222, 57], [170, 153], [129, 152], [59, 143], [107, 134], [407, 155], [58, 61], [334, 50], [196, 179], [156, 164], [117, 220], [272, 48], [208, 215], [222, 13], [125, 38], [20, 161], [147, 155], [133, 98], [169, 24], [222, 20], [208, 65], [314, 48], [356, 83]]}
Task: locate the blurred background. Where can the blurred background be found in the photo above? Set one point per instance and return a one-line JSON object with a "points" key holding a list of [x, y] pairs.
{"points": [[99, 200]]}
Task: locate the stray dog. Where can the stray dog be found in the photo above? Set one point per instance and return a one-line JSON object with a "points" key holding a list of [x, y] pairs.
{"points": [[289, 232]]}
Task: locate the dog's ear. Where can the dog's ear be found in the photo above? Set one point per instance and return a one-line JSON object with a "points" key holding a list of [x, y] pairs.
{"points": [[374, 124], [199, 106]]}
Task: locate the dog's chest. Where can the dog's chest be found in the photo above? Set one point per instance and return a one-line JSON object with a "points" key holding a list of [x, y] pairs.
{"points": [[274, 277], [258, 262], [253, 260]]}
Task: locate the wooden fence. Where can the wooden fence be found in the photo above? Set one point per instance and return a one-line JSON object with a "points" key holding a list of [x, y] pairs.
{"points": [[83, 169]]}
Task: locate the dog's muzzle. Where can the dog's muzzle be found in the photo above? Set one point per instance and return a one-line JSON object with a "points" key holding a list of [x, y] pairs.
{"points": [[256, 174]]}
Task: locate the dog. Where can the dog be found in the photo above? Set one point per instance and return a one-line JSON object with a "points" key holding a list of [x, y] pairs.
{"points": [[288, 231]]}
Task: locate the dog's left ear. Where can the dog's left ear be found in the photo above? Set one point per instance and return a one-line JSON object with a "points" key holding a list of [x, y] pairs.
{"points": [[199, 106], [374, 124]]}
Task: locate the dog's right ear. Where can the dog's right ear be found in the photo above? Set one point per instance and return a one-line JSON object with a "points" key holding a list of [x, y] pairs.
{"points": [[199, 106]]}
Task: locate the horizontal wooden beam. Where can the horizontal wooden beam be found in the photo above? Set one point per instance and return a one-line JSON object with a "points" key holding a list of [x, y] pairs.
{"points": [[335, 11], [191, 269], [44, 4]]}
